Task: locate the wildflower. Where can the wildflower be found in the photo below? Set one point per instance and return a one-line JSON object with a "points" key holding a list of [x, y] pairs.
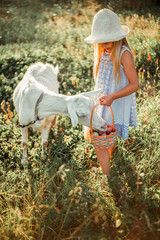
{"points": [[149, 57]]}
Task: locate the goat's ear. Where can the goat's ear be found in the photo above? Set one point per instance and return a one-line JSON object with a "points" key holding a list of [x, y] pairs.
{"points": [[92, 93], [73, 114], [56, 69]]}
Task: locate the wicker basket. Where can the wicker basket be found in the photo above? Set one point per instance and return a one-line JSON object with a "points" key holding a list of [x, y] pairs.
{"points": [[106, 141]]}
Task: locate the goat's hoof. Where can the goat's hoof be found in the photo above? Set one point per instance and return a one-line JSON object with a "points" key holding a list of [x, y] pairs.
{"points": [[24, 161], [43, 153], [44, 149], [45, 146]]}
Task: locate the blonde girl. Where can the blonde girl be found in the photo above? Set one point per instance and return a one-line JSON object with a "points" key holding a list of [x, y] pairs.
{"points": [[115, 74]]}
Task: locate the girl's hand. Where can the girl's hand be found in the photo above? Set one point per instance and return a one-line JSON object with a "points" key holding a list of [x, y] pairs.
{"points": [[106, 100]]}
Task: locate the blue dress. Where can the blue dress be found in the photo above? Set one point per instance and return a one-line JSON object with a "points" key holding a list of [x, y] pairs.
{"points": [[124, 109]]}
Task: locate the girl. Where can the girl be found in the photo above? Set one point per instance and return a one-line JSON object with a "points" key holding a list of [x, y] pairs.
{"points": [[115, 73]]}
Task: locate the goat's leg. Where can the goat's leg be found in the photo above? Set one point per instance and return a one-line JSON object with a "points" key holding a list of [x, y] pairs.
{"points": [[24, 132], [53, 122], [45, 133]]}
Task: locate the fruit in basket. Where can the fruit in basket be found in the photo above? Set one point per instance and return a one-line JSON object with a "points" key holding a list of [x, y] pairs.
{"points": [[96, 134], [109, 130], [101, 133]]}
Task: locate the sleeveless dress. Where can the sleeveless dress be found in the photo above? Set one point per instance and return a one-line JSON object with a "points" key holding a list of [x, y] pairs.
{"points": [[124, 109]]}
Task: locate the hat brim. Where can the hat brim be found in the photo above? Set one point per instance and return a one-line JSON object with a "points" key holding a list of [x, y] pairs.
{"points": [[91, 40]]}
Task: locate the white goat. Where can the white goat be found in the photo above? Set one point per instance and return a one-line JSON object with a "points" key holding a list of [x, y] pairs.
{"points": [[37, 102]]}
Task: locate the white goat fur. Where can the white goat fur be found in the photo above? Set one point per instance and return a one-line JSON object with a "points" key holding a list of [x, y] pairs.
{"points": [[42, 78]]}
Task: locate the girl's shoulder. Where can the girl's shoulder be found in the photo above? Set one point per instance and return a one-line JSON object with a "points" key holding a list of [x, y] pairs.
{"points": [[123, 49], [128, 54], [127, 57]]}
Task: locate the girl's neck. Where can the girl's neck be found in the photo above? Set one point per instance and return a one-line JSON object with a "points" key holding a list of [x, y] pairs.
{"points": [[108, 52]]}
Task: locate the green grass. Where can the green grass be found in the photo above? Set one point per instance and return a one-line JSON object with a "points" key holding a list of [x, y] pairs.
{"points": [[60, 196]]}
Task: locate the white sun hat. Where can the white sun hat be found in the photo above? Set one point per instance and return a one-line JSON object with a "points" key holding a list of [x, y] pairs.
{"points": [[106, 27]]}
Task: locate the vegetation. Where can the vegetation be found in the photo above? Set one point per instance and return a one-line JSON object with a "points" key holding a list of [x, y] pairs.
{"points": [[60, 196]]}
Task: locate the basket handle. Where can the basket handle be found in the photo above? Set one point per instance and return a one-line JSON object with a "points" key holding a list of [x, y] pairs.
{"points": [[92, 116]]}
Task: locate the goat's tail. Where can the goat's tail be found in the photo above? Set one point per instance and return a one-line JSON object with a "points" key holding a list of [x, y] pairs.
{"points": [[87, 135]]}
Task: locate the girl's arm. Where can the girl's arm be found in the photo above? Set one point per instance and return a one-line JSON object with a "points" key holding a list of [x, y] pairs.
{"points": [[129, 68]]}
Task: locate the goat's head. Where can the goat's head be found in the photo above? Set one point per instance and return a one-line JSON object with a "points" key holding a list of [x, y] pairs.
{"points": [[80, 107]]}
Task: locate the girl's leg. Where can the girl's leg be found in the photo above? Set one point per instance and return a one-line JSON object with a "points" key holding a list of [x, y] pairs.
{"points": [[103, 158], [111, 150]]}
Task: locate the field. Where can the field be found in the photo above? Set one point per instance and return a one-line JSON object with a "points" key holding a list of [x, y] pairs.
{"points": [[60, 196]]}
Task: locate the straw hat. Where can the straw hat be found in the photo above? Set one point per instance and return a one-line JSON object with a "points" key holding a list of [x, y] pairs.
{"points": [[106, 27]]}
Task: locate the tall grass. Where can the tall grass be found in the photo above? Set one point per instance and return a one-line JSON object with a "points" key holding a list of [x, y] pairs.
{"points": [[60, 196]]}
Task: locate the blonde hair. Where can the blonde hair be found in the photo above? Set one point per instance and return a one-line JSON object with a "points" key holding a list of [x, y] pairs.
{"points": [[115, 56]]}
